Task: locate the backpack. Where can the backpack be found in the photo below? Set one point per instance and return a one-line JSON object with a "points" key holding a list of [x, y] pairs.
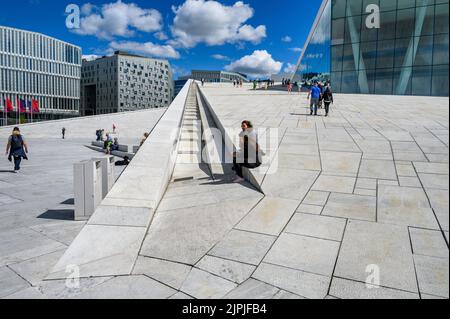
{"points": [[16, 141]]}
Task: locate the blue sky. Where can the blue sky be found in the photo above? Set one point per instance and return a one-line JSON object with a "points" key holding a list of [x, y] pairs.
{"points": [[253, 36]]}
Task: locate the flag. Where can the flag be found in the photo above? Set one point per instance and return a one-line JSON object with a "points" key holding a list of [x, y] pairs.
{"points": [[35, 106], [29, 109], [9, 105], [23, 106]]}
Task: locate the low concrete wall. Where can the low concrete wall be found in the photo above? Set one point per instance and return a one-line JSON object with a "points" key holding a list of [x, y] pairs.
{"points": [[228, 140], [109, 244]]}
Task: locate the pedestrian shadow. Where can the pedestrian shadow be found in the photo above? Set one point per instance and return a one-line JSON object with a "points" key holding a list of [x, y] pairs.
{"points": [[58, 214], [70, 201]]}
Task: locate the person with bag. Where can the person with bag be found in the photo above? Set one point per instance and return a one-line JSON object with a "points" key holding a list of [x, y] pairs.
{"points": [[327, 99], [17, 149], [248, 155]]}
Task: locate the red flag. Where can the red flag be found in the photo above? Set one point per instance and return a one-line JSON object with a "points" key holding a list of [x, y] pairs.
{"points": [[9, 105], [35, 106]]}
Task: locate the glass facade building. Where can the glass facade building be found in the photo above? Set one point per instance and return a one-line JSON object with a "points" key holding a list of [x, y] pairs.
{"points": [[35, 66], [392, 47]]}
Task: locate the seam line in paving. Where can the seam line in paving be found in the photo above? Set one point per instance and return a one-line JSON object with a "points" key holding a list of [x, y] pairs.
{"points": [[414, 262], [381, 286], [20, 276], [431, 206], [313, 237], [337, 255], [46, 236]]}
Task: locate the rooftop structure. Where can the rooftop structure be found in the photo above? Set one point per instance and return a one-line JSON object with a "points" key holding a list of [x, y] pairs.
{"points": [[394, 48], [218, 76], [336, 199]]}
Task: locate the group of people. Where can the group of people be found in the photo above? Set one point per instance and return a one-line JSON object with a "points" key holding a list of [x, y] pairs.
{"points": [[111, 144], [238, 83], [320, 96], [259, 84]]}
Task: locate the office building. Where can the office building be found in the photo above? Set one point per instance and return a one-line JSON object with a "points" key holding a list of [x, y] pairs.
{"points": [[36, 67], [125, 82], [218, 76]]}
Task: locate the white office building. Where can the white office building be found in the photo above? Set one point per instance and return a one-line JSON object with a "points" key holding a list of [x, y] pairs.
{"points": [[125, 82], [36, 67], [217, 76]]}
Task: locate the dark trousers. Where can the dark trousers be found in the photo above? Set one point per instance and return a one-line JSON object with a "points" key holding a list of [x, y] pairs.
{"points": [[17, 161], [327, 107], [314, 105], [239, 167]]}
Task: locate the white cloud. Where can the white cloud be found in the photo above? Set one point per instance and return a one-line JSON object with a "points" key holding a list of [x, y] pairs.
{"points": [[286, 39], [178, 71], [221, 57], [210, 22], [147, 49], [258, 64], [296, 49], [117, 19], [290, 68], [87, 8], [90, 57], [161, 36]]}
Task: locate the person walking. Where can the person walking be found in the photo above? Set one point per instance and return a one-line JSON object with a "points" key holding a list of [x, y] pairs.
{"points": [[203, 82], [249, 153], [63, 131], [254, 85], [17, 149], [315, 95], [327, 99]]}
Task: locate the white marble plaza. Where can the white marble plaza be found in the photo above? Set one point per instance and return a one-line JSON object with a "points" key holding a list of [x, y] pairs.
{"points": [[362, 190]]}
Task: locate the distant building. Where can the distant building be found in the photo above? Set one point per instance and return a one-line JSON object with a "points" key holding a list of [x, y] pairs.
{"points": [[36, 67], [217, 76], [379, 47], [179, 84], [125, 82]]}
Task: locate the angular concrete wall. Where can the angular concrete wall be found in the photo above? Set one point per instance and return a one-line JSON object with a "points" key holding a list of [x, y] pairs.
{"points": [[109, 244]]}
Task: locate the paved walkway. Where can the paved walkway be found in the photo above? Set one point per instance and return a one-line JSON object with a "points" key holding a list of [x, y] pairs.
{"points": [[36, 205], [361, 193]]}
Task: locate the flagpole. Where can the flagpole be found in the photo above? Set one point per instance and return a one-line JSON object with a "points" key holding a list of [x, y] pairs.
{"points": [[18, 110]]}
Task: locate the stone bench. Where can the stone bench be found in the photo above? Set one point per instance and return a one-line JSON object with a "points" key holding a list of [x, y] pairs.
{"points": [[122, 148], [119, 153]]}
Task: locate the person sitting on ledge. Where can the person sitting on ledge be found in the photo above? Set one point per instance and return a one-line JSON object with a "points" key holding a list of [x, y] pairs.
{"points": [[146, 136], [115, 145], [249, 153]]}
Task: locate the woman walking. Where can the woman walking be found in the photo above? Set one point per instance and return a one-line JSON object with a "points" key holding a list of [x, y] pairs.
{"points": [[327, 99], [16, 149], [249, 153]]}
